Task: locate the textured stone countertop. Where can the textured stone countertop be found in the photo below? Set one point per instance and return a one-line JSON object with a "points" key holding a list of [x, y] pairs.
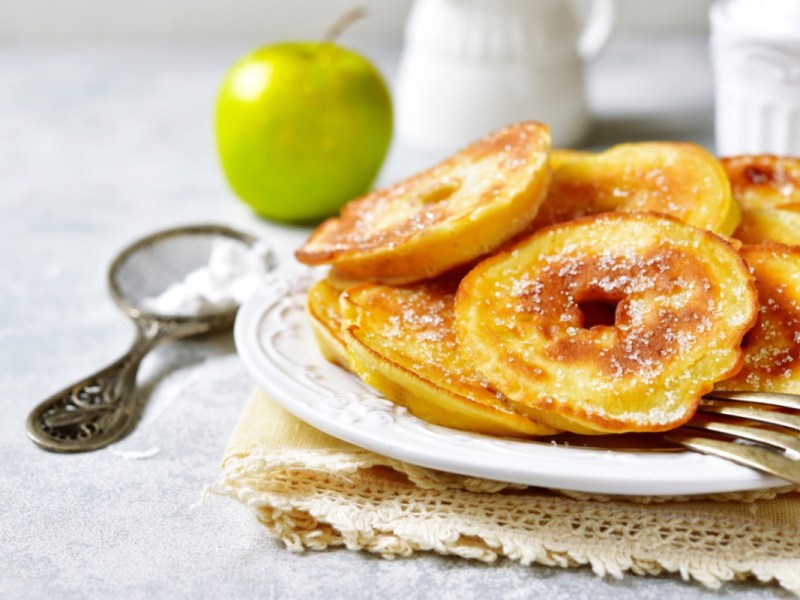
{"points": [[103, 142]]}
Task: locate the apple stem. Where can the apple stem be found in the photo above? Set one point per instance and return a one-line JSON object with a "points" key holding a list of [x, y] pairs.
{"points": [[342, 23]]}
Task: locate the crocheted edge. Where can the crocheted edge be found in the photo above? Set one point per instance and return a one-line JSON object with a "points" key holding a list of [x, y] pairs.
{"points": [[302, 525], [299, 530]]}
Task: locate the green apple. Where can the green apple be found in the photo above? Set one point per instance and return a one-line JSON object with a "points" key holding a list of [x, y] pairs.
{"points": [[301, 128]]}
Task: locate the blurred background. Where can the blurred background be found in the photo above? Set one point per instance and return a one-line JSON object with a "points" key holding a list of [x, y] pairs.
{"points": [[114, 99], [275, 18]]}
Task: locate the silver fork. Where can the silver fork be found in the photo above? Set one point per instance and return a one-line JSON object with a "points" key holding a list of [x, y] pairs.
{"points": [[757, 429]]}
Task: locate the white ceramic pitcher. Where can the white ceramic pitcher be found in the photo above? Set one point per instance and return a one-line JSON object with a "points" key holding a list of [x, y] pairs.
{"points": [[755, 51], [470, 66]]}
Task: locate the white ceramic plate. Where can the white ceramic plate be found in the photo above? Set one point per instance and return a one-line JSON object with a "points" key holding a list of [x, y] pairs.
{"points": [[277, 346]]}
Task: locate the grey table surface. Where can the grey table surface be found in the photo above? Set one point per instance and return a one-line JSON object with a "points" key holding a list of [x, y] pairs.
{"points": [[101, 142]]}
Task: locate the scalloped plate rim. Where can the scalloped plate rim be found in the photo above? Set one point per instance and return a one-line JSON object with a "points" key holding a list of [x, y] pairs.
{"points": [[406, 438]]}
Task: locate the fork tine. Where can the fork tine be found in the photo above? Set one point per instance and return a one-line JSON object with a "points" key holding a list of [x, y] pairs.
{"points": [[787, 442], [730, 409], [750, 456], [772, 398], [753, 406]]}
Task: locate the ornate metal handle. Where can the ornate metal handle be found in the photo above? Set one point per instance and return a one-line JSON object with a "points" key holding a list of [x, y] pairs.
{"points": [[101, 408]]}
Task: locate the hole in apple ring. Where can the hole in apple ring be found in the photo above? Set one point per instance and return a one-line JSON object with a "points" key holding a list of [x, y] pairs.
{"points": [[599, 311], [438, 191]]}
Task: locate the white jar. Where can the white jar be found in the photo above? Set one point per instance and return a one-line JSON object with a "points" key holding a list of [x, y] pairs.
{"points": [[755, 51], [471, 66]]}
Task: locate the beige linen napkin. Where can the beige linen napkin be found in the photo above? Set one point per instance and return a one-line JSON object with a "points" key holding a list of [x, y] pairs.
{"points": [[314, 491]]}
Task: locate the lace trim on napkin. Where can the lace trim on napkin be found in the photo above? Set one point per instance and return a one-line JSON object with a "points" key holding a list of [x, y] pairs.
{"points": [[316, 500]]}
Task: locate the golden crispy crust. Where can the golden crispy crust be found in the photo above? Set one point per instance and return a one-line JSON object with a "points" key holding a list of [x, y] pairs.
{"points": [[562, 156], [441, 218], [681, 299], [402, 342], [766, 225], [764, 181], [679, 179], [325, 317], [772, 346]]}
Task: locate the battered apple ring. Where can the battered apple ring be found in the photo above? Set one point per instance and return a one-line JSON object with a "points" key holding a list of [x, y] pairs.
{"points": [[401, 341], [608, 324], [679, 179], [772, 346], [446, 216], [563, 156], [764, 225], [764, 181], [768, 190], [325, 318]]}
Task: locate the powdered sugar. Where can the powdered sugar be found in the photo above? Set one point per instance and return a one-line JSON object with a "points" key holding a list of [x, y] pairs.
{"points": [[233, 272]]}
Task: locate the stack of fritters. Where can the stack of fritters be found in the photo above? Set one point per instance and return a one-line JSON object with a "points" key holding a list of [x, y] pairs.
{"points": [[768, 190], [514, 291]]}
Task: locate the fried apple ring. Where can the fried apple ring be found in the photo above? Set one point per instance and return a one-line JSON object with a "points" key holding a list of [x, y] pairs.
{"points": [[563, 156], [325, 318], [765, 225], [679, 179], [763, 181], [613, 323], [446, 216], [402, 342], [772, 346]]}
